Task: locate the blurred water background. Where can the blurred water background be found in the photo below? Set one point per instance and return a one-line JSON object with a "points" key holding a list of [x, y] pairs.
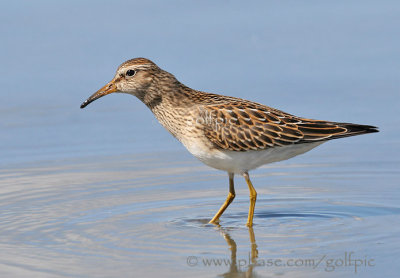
{"points": [[107, 192]]}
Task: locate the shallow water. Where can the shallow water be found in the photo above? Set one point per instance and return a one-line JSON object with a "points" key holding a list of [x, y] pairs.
{"points": [[106, 192], [135, 215]]}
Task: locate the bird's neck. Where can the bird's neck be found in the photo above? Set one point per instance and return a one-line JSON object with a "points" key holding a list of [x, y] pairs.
{"points": [[167, 91]]}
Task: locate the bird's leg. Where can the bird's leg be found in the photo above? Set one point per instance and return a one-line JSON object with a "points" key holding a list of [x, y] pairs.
{"points": [[253, 198], [229, 199]]}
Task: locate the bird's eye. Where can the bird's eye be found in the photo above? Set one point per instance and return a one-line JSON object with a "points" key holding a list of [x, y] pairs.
{"points": [[130, 72]]}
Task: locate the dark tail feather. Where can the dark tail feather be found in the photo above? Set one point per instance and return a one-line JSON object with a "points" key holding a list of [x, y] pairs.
{"points": [[355, 129]]}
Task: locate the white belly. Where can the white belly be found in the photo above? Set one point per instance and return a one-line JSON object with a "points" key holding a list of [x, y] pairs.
{"points": [[240, 162]]}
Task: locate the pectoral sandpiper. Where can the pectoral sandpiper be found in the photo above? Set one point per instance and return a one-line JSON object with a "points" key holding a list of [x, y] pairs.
{"points": [[226, 133]]}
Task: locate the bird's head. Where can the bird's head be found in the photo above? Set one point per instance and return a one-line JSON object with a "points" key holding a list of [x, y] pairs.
{"points": [[132, 77]]}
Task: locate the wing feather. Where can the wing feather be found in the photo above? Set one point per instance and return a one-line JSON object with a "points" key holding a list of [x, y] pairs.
{"points": [[247, 126]]}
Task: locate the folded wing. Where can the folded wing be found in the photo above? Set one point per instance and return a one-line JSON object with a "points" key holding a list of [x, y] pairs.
{"points": [[241, 126]]}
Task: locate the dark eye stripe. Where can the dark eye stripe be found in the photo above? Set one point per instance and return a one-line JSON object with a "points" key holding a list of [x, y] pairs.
{"points": [[130, 72]]}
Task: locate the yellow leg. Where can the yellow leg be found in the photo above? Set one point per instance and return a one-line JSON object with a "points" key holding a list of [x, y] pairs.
{"points": [[228, 201], [253, 198]]}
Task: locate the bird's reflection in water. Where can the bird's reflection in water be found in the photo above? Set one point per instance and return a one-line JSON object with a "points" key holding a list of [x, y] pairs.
{"points": [[241, 267]]}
